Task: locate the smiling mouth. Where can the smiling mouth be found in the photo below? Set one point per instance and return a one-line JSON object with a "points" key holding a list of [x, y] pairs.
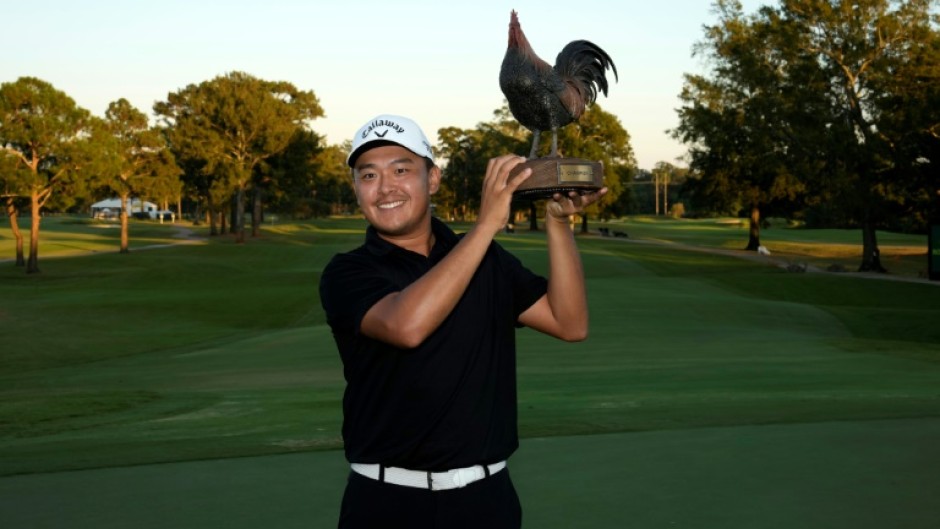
{"points": [[390, 205]]}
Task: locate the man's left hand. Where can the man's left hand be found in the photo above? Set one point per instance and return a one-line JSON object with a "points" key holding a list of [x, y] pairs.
{"points": [[561, 207]]}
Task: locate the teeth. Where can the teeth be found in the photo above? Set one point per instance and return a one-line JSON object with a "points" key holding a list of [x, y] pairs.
{"points": [[391, 205]]}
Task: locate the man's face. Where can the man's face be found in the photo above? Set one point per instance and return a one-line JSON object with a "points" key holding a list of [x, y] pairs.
{"points": [[394, 189]]}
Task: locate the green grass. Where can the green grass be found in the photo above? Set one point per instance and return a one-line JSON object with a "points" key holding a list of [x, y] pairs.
{"points": [[220, 350], [832, 475], [109, 305], [713, 391]]}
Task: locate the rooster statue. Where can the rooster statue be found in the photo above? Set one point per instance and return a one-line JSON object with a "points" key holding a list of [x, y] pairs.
{"points": [[544, 97]]}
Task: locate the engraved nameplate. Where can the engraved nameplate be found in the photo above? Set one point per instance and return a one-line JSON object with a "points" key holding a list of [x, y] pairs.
{"points": [[571, 173]]}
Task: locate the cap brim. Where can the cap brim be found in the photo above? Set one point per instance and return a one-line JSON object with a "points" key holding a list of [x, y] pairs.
{"points": [[351, 160]]}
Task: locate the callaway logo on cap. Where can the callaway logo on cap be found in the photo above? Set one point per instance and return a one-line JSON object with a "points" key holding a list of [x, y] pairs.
{"points": [[387, 129]]}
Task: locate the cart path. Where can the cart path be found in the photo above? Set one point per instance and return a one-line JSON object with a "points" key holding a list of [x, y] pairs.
{"points": [[183, 234], [780, 261]]}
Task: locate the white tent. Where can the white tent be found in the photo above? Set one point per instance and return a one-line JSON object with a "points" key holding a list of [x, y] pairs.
{"points": [[112, 207]]}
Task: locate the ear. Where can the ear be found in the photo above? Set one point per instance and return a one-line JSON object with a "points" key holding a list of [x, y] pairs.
{"points": [[434, 180]]}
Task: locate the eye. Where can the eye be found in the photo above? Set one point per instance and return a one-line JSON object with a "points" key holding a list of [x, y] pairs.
{"points": [[366, 176]]}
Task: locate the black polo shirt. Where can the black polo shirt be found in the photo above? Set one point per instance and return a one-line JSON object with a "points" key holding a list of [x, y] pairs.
{"points": [[451, 401]]}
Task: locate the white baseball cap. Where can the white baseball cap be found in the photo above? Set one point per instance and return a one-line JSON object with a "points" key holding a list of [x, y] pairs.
{"points": [[388, 129]]}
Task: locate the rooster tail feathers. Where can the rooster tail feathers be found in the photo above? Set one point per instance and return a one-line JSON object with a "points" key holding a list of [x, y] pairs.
{"points": [[586, 63]]}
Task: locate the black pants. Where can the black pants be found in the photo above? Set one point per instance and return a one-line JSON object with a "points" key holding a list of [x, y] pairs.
{"points": [[490, 503]]}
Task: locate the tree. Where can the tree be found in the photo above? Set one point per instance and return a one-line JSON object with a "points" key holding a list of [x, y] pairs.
{"points": [[140, 159], [333, 185], [736, 120], [819, 89], [904, 104], [463, 173], [599, 136], [51, 140], [625, 201], [232, 124], [467, 152], [907, 106], [162, 182], [308, 179], [862, 46], [10, 182]]}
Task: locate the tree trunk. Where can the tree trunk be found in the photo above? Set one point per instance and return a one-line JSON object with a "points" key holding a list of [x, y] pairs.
{"points": [[15, 228], [656, 193], [256, 212], [871, 256], [124, 245], [233, 214], [211, 210], [753, 240], [584, 223], [533, 219], [32, 265], [238, 223], [213, 224]]}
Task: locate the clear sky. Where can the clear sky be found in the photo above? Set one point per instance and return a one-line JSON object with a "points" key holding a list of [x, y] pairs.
{"points": [[434, 61]]}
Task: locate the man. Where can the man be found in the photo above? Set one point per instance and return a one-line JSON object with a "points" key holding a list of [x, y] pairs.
{"points": [[425, 321]]}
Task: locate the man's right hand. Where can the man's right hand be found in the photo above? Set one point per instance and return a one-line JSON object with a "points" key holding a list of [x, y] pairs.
{"points": [[406, 318], [498, 189]]}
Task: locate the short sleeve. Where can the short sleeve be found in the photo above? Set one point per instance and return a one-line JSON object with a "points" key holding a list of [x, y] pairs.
{"points": [[349, 287], [527, 287]]}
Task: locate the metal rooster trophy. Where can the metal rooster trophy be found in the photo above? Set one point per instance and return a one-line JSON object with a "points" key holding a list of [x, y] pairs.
{"points": [[545, 97]]}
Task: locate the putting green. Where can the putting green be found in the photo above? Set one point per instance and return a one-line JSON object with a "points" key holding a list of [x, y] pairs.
{"points": [[866, 474], [858, 475]]}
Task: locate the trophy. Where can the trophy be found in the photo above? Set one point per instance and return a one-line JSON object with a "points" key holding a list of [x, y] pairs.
{"points": [[543, 97]]}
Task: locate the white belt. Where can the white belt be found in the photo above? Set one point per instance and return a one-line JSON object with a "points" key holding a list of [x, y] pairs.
{"points": [[452, 479]]}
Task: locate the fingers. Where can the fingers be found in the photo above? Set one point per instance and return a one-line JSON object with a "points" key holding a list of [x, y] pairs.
{"points": [[518, 179], [589, 198], [575, 202], [499, 169], [499, 183]]}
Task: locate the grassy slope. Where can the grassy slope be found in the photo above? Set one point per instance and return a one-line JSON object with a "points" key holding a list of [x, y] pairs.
{"points": [[220, 350]]}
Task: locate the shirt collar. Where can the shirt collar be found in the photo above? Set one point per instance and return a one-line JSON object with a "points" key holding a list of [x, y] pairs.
{"points": [[444, 239]]}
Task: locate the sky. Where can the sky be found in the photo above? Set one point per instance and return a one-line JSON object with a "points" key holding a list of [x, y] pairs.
{"points": [[436, 62]]}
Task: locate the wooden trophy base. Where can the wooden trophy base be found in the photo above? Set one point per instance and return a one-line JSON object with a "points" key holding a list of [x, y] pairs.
{"points": [[552, 175]]}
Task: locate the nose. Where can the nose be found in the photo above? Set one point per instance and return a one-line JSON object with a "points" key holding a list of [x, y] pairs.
{"points": [[386, 182]]}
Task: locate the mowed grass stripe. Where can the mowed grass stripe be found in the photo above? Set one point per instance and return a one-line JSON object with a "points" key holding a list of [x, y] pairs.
{"points": [[859, 475]]}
